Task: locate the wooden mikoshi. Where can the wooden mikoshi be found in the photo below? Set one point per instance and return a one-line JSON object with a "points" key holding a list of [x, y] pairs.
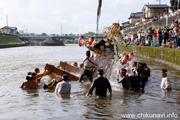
{"points": [[68, 67], [53, 69]]}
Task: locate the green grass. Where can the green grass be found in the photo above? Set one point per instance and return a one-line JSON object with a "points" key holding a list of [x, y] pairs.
{"points": [[9, 40], [71, 42], [33, 41]]}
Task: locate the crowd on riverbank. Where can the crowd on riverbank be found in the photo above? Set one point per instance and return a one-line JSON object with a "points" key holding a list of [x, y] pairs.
{"points": [[166, 36], [165, 15]]}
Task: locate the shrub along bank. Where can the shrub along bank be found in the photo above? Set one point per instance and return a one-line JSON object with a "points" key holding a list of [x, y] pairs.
{"points": [[165, 54]]}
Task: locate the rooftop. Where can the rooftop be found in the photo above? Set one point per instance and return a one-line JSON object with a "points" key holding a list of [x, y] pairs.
{"points": [[8, 27], [136, 15], [156, 6]]}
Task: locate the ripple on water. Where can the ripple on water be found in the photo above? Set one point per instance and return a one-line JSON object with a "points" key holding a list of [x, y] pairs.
{"points": [[42, 104]]}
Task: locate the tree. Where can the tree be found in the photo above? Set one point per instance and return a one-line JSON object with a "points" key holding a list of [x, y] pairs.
{"points": [[149, 28], [89, 33], [43, 34], [174, 4], [140, 29]]}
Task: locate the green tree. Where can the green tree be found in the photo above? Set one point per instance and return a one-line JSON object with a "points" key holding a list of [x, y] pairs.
{"points": [[174, 4], [71, 42], [89, 33], [140, 29], [75, 41], [43, 34], [149, 28]]}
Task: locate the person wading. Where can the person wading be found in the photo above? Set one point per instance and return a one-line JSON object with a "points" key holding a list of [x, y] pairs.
{"points": [[63, 87], [88, 64], [165, 83], [31, 82], [101, 84], [124, 80]]}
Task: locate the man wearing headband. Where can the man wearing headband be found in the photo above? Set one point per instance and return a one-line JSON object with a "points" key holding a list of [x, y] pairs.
{"points": [[101, 84], [124, 80], [165, 83], [31, 82]]}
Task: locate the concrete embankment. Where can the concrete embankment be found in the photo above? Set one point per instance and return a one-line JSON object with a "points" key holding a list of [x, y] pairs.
{"points": [[168, 55]]}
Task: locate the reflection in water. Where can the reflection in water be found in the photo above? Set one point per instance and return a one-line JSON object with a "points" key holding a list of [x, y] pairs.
{"points": [[32, 92], [165, 93], [64, 96], [98, 108]]}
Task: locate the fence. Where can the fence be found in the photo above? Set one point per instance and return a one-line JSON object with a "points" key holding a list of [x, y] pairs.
{"points": [[155, 24]]}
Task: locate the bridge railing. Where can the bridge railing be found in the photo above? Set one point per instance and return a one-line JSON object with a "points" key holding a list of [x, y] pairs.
{"points": [[57, 37], [8, 35]]}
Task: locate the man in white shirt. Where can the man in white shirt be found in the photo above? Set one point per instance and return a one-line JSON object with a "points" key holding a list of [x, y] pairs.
{"points": [[88, 64], [165, 83], [63, 87]]}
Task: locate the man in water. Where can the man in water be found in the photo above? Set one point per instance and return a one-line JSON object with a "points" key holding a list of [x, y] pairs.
{"points": [[147, 69], [124, 80], [134, 69], [63, 87], [165, 83], [39, 76], [37, 70], [75, 64], [101, 84], [88, 64], [31, 82]]}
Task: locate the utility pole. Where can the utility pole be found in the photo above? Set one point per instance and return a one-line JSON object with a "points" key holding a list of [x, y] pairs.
{"points": [[27, 31], [24, 30], [159, 1], [7, 20], [61, 30], [1, 12]]}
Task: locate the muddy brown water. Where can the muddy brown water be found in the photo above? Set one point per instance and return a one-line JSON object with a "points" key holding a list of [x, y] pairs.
{"points": [[40, 104]]}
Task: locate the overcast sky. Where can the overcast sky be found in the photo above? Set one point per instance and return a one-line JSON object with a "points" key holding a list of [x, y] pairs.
{"points": [[75, 16]]}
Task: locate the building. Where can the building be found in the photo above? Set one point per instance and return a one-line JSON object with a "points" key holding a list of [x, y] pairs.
{"points": [[154, 10], [9, 30], [125, 24], [135, 17]]}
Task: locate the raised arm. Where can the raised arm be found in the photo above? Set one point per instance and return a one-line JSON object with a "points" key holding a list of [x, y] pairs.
{"points": [[91, 89]]}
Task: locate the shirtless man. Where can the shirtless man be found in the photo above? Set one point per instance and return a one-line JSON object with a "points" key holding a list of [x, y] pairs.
{"points": [[31, 82]]}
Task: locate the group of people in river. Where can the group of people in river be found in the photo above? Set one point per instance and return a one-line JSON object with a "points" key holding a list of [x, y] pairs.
{"points": [[134, 80]]}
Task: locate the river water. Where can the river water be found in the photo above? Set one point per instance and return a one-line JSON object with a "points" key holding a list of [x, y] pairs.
{"points": [[40, 104]]}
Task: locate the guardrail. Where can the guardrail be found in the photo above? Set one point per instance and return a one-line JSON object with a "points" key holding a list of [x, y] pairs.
{"points": [[7, 35], [155, 24]]}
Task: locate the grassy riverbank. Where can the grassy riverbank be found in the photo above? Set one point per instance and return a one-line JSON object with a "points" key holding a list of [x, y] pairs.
{"points": [[4, 40], [165, 54]]}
